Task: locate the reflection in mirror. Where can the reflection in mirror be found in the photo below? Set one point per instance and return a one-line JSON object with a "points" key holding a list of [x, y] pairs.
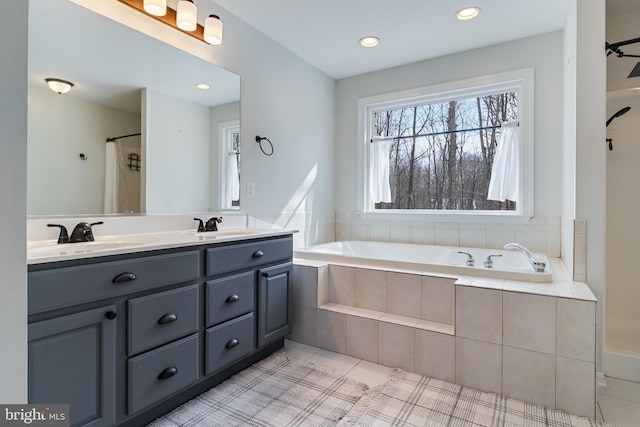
{"points": [[125, 83]]}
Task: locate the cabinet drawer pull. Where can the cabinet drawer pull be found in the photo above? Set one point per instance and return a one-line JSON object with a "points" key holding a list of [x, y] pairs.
{"points": [[233, 298], [110, 315], [167, 318], [124, 277], [168, 373], [265, 274], [257, 254], [234, 342]]}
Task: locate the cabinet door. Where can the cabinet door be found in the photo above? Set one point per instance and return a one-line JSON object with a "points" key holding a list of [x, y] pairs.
{"points": [[72, 361], [274, 295]]}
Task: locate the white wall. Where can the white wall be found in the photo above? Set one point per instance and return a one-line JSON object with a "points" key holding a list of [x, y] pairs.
{"points": [[60, 128], [544, 53], [282, 98], [178, 139], [13, 208], [623, 234], [590, 176]]}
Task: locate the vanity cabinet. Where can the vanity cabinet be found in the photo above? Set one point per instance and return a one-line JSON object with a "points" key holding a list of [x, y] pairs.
{"points": [[125, 338], [72, 360]]}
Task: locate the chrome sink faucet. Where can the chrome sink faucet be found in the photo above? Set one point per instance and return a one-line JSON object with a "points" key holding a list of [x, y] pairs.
{"points": [[538, 266]]}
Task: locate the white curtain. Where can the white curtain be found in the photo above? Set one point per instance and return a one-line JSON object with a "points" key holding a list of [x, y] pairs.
{"points": [[111, 177], [505, 173], [233, 179], [379, 189]]}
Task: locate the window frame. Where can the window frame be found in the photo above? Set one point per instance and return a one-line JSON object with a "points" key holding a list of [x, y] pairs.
{"points": [[521, 80]]}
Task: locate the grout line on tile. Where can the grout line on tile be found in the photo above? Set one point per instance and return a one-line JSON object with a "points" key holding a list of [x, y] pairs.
{"points": [[600, 410]]}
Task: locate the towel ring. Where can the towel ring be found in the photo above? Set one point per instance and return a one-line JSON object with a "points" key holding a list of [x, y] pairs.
{"points": [[259, 140]]}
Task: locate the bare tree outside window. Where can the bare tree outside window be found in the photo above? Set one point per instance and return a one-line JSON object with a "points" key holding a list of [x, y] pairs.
{"points": [[441, 154]]}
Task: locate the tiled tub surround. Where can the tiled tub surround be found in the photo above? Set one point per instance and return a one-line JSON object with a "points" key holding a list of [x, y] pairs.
{"points": [[533, 342]]}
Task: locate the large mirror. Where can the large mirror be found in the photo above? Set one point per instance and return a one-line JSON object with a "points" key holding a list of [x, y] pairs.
{"points": [[172, 147]]}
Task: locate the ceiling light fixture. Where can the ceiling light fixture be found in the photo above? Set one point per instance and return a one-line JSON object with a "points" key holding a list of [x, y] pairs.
{"points": [[187, 15], [369, 41], [468, 13], [59, 86], [156, 7], [213, 30], [183, 18], [202, 86]]}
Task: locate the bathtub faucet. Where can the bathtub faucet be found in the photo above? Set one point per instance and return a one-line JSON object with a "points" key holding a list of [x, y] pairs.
{"points": [[538, 266], [470, 260]]}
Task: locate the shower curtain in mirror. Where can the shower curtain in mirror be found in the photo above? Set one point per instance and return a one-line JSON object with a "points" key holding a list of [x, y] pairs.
{"points": [[112, 172], [122, 177]]}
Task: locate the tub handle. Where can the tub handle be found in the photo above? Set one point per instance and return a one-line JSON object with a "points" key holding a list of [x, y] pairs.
{"points": [[470, 261], [488, 263]]}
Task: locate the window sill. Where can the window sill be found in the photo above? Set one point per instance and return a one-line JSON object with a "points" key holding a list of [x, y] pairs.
{"points": [[496, 218]]}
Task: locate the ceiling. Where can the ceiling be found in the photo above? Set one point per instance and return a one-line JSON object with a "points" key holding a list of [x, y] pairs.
{"points": [[325, 33]]}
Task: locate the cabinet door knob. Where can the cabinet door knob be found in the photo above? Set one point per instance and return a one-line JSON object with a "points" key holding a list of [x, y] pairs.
{"points": [[124, 277], [167, 318], [257, 254], [168, 373], [233, 298], [110, 315], [234, 342]]}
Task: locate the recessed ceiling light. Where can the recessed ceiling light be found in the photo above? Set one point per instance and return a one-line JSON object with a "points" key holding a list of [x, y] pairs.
{"points": [[202, 86], [468, 13], [369, 41]]}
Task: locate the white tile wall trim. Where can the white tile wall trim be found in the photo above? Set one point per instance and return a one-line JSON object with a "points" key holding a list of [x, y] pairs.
{"points": [[515, 338]]}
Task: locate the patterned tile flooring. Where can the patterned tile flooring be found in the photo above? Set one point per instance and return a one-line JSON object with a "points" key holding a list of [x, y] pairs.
{"points": [[618, 404]]}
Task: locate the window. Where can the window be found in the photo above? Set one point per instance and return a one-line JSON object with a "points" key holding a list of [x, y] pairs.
{"points": [[458, 148], [229, 168]]}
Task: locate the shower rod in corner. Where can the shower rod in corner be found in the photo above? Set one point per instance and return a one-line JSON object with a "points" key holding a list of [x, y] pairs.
{"points": [[123, 136]]}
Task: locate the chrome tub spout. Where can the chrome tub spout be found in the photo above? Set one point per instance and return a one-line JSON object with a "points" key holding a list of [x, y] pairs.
{"points": [[538, 266]]}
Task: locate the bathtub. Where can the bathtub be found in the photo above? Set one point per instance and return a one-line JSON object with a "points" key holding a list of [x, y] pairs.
{"points": [[511, 265]]}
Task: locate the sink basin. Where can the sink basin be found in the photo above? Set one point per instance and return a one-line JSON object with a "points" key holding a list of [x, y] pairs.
{"points": [[212, 235], [84, 247]]}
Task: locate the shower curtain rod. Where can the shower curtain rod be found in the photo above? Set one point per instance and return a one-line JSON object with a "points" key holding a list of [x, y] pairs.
{"points": [[440, 133], [123, 136]]}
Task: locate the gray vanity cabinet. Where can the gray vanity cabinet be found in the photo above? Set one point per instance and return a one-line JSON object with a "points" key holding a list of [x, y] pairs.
{"points": [[72, 360], [123, 339], [274, 287]]}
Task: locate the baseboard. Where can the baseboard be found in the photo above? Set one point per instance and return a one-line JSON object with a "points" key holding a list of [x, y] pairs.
{"points": [[620, 365]]}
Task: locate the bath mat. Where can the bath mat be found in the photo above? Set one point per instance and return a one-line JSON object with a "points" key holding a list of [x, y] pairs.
{"points": [[408, 399], [274, 392]]}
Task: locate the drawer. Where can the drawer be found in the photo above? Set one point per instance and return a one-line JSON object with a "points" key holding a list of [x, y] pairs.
{"points": [[157, 374], [229, 297], [229, 342], [159, 318], [247, 255], [67, 286]]}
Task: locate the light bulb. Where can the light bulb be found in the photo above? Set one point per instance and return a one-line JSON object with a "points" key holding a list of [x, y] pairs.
{"points": [[155, 7], [213, 30], [186, 18]]}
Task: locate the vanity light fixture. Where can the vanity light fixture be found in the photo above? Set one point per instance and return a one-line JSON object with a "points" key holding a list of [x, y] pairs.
{"points": [[59, 86], [468, 13], [184, 18], [369, 41], [213, 30], [155, 7], [187, 15]]}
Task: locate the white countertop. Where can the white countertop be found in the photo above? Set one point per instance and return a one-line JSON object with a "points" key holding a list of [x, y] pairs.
{"points": [[44, 251]]}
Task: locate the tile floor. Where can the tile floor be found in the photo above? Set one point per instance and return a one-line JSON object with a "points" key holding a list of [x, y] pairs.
{"points": [[618, 404]]}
